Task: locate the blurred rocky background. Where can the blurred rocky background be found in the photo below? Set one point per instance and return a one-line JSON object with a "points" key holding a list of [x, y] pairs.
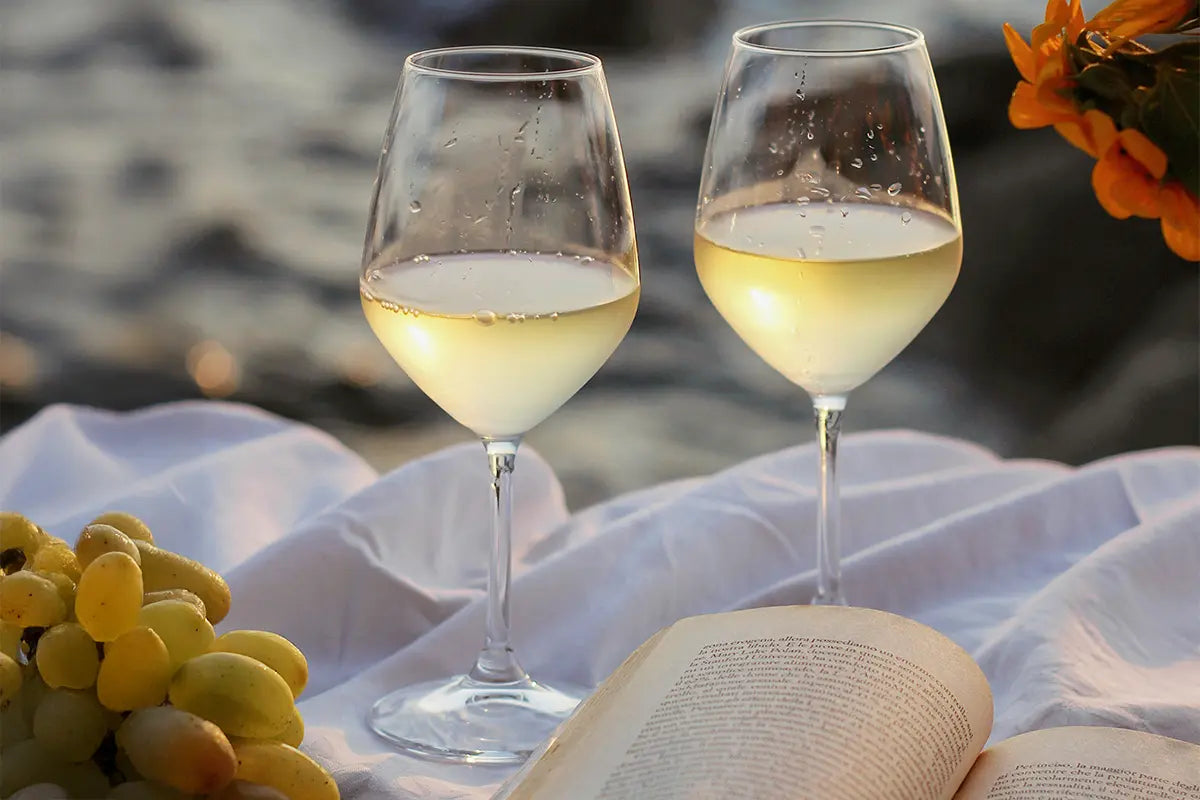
{"points": [[184, 188]]}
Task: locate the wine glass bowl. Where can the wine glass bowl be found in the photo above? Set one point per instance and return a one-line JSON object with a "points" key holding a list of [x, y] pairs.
{"points": [[827, 229], [500, 272]]}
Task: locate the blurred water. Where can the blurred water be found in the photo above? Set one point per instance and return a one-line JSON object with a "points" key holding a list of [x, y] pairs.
{"points": [[183, 193]]}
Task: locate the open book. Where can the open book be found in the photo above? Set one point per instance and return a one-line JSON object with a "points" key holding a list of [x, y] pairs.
{"points": [[792, 703]]}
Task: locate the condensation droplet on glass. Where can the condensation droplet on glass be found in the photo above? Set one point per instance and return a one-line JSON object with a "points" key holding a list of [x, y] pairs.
{"points": [[817, 231], [876, 187], [845, 212], [554, 316], [778, 172], [808, 177], [856, 163], [821, 191], [894, 189], [879, 126], [421, 259], [870, 133], [586, 260], [863, 193], [874, 157], [772, 148], [803, 201], [450, 142], [515, 317], [906, 217], [414, 207], [801, 254], [809, 136], [800, 94], [485, 317]]}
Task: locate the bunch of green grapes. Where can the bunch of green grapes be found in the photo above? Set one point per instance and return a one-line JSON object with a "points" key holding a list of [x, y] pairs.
{"points": [[114, 684]]}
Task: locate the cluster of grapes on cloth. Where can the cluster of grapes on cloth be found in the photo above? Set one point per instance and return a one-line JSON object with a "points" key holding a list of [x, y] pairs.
{"points": [[114, 684]]}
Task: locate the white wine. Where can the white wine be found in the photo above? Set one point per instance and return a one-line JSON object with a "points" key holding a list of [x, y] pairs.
{"points": [[828, 294], [500, 340]]}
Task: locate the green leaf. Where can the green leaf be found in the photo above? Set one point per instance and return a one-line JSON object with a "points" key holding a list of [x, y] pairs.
{"points": [[1170, 117]]}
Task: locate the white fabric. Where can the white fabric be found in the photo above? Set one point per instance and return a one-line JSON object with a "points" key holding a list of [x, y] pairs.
{"points": [[1077, 590]]}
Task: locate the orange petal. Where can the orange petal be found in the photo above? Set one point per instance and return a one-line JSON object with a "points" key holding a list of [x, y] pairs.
{"points": [[1022, 54], [1180, 221], [1074, 133], [1128, 19], [1146, 152], [1105, 175], [1074, 22], [1024, 110], [1101, 130]]}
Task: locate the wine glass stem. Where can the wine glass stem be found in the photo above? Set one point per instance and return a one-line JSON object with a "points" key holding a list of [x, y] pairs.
{"points": [[496, 662], [827, 411]]}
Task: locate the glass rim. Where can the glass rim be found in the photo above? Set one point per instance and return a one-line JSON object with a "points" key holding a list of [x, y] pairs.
{"points": [[915, 37], [577, 63]]}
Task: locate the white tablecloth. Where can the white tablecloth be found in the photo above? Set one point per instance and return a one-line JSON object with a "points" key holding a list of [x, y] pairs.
{"points": [[1077, 590]]}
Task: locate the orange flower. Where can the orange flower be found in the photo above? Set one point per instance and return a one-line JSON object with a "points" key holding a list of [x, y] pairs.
{"points": [[1041, 98], [1129, 19], [1180, 221], [1127, 175]]}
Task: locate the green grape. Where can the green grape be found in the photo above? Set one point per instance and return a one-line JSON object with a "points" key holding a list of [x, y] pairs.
{"points": [[271, 649], [127, 524], [293, 732], [135, 671], [242, 790], [146, 790], [10, 640], [56, 557], [98, 539], [109, 596], [33, 689], [10, 680], [27, 764], [13, 725], [67, 658], [30, 600], [65, 587], [284, 768], [181, 626], [83, 780], [178, 749], [243, 696], [69, 724], [17, 532], [175, 594], [162, 569], [42, 791]]}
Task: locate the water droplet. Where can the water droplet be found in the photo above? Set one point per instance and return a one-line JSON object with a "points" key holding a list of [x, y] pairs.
{"points": [[772, 148], [586, 260], [803, 201], [870, 133], [450, 142], [845, 212], [874, 157], [879, 126], [797, 74], [809, 136], [817, 231], [554, 317], [906, 217], [808, 177], [478, 219], [863, 193], [800, 253], [876, 187], [922, 129], [821, 191], [485, 317], [894, 189], [515, 317], [421, 259], [800, 94], [856, 163], [778, 172], [414, 207]]}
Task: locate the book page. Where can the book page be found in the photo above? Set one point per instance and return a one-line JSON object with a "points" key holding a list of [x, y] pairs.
{"points": [[1082, 763], [776, 704]]}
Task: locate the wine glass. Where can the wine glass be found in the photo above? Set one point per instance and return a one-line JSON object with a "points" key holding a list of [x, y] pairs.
{"points": [[827, 229], [500, 272]]}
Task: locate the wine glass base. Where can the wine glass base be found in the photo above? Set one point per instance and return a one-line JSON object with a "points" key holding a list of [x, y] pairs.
{"points": [[467, 721]]}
